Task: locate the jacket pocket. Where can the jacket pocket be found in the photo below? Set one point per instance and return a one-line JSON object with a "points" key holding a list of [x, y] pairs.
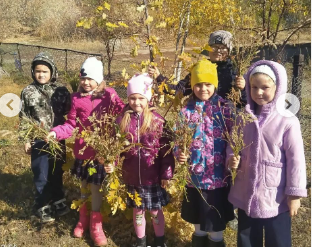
{"points": [[274, 174]]}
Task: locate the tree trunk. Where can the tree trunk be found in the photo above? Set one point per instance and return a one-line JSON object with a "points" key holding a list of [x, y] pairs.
{"points": [[110, 48], [179, 65], [263, 18], [148, 30], [279, 21], [179, 35]]}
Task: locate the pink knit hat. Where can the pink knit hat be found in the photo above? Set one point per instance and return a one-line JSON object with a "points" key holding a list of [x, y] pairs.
{"points": [[142, 84]]}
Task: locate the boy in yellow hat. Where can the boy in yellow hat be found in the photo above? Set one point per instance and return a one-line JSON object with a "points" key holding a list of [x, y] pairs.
{"points": [[210, 211]]}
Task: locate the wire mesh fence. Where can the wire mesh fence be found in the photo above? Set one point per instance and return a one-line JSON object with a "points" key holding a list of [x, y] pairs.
{"points": [[15, 56]]}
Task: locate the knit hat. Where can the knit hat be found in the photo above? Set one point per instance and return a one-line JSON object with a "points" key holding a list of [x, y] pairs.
{"points": [[92, 68], [221, 37], [204, 71], [264, 69], [142, 84]]}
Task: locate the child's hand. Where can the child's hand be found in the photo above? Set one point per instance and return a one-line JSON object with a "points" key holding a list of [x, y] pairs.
{"points": [[28, 148], [164, 183], [109, 168], [153, 71], [182, 158], [101, 160], [233, 162], [51, 134], [240, 82], [293, 204]]}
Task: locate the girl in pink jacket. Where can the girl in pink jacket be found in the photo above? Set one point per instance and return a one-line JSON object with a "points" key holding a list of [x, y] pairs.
{"points": [[146, 168], [271, 172], [93, 97]]}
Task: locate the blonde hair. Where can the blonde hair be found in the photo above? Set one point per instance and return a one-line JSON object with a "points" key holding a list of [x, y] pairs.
{"points": [[147, 125], [98, 93]]}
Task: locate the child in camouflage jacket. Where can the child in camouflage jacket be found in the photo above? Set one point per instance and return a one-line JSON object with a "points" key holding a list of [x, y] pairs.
{"points": [[46, 102]]}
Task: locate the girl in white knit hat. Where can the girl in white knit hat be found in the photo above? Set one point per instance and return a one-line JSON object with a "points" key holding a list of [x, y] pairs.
{"points": [[93, 97]]}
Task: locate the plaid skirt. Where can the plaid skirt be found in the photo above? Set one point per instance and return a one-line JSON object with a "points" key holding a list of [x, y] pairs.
{"points": [[153, 197], [81, 171]]}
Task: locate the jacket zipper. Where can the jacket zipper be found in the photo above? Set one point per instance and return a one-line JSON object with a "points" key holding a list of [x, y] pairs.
{"points": [[138, 121]]}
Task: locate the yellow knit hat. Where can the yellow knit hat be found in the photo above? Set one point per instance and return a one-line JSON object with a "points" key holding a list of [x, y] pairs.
{"points": [[204, 72]]}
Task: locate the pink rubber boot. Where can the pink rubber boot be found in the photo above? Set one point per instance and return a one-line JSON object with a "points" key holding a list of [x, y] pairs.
{"points": [[83, 222], [96, 231]]}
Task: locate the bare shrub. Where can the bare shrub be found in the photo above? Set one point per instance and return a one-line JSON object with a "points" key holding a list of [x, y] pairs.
{"points": [[50, 20], [54, 20]]}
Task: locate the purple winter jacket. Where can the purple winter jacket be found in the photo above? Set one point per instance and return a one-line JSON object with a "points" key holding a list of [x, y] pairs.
{"points": [[272, 166], [147, 164], [82, 107]]}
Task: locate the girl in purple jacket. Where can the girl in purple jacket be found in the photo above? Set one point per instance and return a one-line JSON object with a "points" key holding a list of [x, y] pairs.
{"points": [[93, 97], [146, 168], [271, 175]]}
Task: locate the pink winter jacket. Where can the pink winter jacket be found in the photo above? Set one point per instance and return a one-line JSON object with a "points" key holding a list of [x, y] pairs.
{"points": [[82, 107], [272, 166], [150, 163]]}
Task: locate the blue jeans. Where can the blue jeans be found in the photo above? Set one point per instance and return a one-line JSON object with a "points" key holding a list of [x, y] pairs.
{"points": [[48, 175], [277, 230]]}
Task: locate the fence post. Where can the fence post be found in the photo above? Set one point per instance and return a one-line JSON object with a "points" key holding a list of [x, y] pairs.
{"points": [[66, 60], [296, 89], [19, 57], [102, 60], [262, 53]]}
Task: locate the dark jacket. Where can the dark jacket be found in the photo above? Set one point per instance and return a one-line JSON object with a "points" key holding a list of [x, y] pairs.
{"points": [[147, 164]]}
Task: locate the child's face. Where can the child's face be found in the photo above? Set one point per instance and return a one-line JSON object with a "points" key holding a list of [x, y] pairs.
{"points": [[203, 91], [42, 74], [88, 84], [219, 53], [262, 89], [137, 102]]}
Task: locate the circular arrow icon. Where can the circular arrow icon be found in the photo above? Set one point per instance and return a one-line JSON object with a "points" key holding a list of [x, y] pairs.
{"points": [[288, 105], [10, 104]]}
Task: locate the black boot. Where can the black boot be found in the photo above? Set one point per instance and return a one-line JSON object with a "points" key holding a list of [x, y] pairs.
{"points": [[199, 241], [141, 242], [159, 241], [212, 243]]}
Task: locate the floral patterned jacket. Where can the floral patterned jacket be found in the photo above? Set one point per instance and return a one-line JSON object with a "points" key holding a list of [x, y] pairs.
{"points": [[208, 150]]}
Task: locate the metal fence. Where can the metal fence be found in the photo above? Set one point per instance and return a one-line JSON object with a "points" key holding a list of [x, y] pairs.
{"points": [[16, 58]]}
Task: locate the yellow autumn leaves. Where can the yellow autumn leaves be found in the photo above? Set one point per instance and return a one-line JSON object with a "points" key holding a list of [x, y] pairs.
{"points": [[116, 196], [100, 19], [105, 137]]}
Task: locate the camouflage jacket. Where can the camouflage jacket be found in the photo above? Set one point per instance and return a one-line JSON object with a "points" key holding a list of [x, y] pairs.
{"points": [[45, 104]]}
